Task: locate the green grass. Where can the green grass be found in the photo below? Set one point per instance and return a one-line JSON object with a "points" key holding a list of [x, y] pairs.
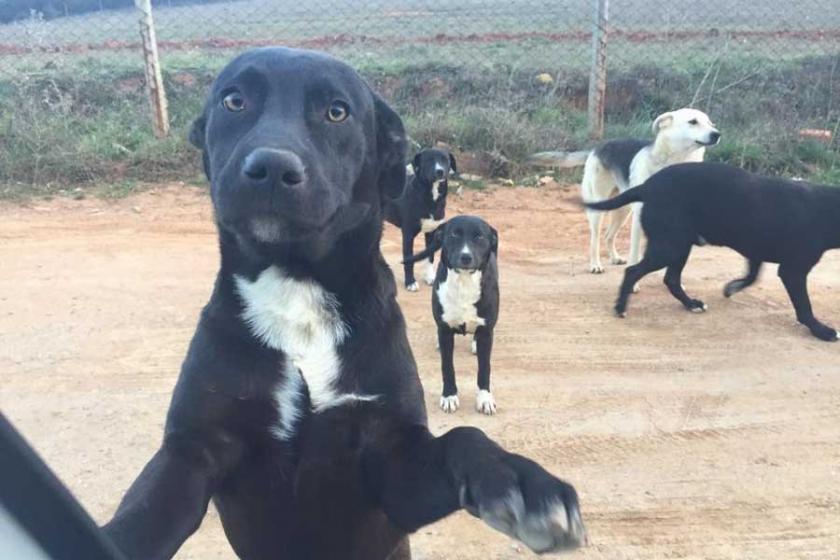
{"points": [[87, 123]]}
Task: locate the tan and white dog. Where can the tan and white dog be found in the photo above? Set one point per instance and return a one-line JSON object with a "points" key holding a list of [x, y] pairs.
{"points": [[618, 165]]}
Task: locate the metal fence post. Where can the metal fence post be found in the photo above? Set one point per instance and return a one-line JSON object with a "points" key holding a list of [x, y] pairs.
{"points": [[154, 80], [598, 72]]}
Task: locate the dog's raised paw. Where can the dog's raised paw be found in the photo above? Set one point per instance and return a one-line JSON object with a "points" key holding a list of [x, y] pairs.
{"points": [[485, 403], [449, 404], [733, 287], [529, 505], [413, 287]]}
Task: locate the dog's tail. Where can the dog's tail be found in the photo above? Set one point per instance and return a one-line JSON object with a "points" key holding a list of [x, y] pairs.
{"points": [[558, 159], [424, 254], [636, 194]]}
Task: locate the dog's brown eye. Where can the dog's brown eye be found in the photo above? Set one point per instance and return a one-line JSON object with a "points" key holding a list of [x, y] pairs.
{"points": [[233, 102], [692, 121], [338, 111]]}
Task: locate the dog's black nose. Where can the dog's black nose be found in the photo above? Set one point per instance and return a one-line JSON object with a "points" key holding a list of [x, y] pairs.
{"points": [[466, 259], [266, 164], [714, 137]]}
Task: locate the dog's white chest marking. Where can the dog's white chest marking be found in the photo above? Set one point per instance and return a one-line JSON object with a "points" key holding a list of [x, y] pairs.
{"points": [[458, 296], [428, 225], [300, 319], [435, 190]]}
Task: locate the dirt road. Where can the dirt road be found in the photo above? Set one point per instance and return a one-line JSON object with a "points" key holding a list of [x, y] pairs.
{"points": [[713, 436]]}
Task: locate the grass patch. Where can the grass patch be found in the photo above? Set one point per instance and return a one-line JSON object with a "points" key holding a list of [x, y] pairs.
{"points": [[88, 125]]}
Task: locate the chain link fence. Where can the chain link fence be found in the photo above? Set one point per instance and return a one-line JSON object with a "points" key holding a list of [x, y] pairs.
{"points": [[499, 78]]}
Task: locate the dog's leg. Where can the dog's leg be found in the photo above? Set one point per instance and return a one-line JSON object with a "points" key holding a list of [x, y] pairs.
{"points": [[796, 284], [473, 346], [735, 286], [656, 258], [595, 220], [417, 479], [617, 219], [484, 401], [430, 266], [167, 502], [673, 281], [446, 342], [408, 267]]}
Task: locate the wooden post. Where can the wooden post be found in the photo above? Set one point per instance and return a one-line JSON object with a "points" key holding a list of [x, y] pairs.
{"points": [[598, 73], [154, 80]]}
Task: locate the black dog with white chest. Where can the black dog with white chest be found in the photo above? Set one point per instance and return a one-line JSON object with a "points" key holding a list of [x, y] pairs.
{"points": [[766, 219], [422, 207], [299, 410], [465, 300]]}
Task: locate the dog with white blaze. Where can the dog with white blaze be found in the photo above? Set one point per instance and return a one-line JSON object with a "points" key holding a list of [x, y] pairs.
{"points": [[299, 411]]}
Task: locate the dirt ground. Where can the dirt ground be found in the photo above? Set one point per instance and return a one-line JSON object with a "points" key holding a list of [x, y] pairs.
{"points": [[713, 436]]}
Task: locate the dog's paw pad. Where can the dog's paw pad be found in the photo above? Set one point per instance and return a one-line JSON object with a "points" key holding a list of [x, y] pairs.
{"points": [[474, 347], [413, 287], [449, 404], [552, 527], [485, 403]]}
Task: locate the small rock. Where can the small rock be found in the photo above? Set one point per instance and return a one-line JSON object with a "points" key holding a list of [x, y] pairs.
{"points": [[136, 210], [544, 79], [544, 180], [507, 182]]}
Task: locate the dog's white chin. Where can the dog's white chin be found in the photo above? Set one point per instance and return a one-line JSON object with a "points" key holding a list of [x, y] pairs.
{"points": [[266, 230]]}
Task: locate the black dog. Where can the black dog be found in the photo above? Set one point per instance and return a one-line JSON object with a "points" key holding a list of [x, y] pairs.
{"points": [[299, 410], [422, 207], [765, 219], [465, 299]]}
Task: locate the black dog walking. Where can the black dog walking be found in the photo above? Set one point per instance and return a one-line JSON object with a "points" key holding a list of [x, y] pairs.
{"points": [[765, 219], [421, 207], [299, 410], [465, 300]]}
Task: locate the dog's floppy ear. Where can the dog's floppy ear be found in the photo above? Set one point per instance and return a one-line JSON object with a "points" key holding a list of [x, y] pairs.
{"points": [[196, 136], [453, 166], [494, 240], [391, 146], [415, 163], [663, 121]]}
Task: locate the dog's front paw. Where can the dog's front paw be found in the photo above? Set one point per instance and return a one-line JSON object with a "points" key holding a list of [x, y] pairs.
{"points": [[597, 268], [485, 403], [620, 310], [519, 498], [449, 404], [824, 332], [413, 287], [616, 259], [696, 306]]}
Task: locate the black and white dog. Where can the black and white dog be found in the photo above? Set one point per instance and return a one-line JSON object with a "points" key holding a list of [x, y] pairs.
{"points": [[421, 207], [765, 219], [465, 300], [299, 410]]}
